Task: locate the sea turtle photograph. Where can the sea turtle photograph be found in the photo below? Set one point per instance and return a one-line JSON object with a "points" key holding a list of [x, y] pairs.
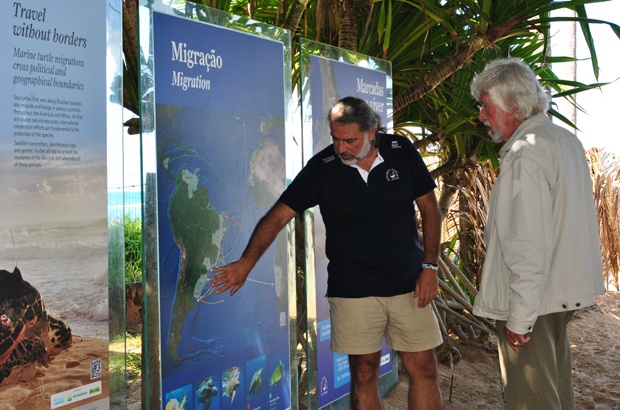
{"points": [[28, 334]]}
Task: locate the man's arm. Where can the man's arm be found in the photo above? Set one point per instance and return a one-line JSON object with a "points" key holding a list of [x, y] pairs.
{"points": [[526, 236], [427, 284], [233, 275]]}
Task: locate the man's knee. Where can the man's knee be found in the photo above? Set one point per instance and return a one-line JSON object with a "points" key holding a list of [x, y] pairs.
{"points": [[420, 364], [364, 370]]}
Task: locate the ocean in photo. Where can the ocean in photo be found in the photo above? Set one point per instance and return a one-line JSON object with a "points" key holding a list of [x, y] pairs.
{"points": [[69, 266], [128, 202]]}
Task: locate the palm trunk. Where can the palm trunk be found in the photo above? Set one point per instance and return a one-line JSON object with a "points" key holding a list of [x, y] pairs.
{"points": [[294, 15]]}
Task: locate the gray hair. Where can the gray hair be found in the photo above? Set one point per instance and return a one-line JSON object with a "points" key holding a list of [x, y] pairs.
{"points": [[509, 82], [353, 110]]}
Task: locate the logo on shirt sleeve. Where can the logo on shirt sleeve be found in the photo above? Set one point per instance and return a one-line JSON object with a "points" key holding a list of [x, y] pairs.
{"points": [[391, 174]]}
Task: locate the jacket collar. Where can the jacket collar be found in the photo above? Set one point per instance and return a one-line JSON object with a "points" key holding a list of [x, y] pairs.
{"points": [[520, 132]]}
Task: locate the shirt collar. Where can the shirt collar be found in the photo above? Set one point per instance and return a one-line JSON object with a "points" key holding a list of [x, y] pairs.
{"points": [[378, 160]]}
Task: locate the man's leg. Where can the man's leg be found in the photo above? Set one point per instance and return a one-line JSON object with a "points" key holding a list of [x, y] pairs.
{"points": [[365, 381], [414, 333], [423, 381], [565, 368], [539, 376], [358, 326]]}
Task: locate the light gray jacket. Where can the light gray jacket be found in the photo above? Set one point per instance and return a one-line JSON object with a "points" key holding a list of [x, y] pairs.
{"points": [[543, 250]]}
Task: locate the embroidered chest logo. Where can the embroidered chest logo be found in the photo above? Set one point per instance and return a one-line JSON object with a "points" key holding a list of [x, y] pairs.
{"points": [[329, 159], [395, 144], [391, 174]]}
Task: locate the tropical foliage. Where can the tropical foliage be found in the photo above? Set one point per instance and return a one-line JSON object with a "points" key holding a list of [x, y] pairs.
{"points": [[606, 175], [133, 249]]}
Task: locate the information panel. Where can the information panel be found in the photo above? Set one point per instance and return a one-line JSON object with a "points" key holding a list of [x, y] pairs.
{"points": [[333, 74], [54, 333], [220, 135]]}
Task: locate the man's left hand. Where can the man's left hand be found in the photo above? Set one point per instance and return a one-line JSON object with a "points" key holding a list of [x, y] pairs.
{"points": [[515, 340], [426, 287]]}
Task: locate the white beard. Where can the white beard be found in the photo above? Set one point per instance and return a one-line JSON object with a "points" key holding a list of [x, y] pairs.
{"points": [[363, 153], [496, 136]]}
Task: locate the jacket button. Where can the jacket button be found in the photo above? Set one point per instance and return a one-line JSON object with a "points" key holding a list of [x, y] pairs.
{"points": [[564, 305]]}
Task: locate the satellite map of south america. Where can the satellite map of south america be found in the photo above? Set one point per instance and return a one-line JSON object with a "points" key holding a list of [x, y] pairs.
{"points": [[198, 230]]}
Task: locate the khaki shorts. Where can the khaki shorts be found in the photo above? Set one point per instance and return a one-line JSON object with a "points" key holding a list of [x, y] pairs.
{"points": [[358, 325]]}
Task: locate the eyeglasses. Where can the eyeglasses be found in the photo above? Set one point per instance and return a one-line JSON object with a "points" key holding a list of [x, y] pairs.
{"points": [[483, 107]]}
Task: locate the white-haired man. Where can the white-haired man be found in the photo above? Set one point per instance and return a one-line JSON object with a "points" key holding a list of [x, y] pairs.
{"points": [[543, 254]]}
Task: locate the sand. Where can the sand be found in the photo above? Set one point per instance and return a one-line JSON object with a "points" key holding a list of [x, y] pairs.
{"points": [[595, 349], [29, 387]]}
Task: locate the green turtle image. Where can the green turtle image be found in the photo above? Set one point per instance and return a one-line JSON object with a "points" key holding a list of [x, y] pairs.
{"points": [[205, 392], [256, 383], [28, 334], [277, 374]]}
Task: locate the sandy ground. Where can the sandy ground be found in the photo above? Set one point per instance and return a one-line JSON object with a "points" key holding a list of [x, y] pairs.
{"points": [[595, 349], [29, 387]]}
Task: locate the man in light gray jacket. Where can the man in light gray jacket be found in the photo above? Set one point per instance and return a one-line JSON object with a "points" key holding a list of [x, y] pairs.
{"points": [[543, 257]]}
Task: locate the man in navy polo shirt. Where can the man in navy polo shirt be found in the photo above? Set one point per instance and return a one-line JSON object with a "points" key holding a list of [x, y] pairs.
{"points": [[380, 280]]}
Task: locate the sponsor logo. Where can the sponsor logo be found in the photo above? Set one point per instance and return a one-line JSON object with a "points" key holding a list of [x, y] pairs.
{"points": [[385, 359], [391, 174], [329, 159], [324, 385], [395, 144]]}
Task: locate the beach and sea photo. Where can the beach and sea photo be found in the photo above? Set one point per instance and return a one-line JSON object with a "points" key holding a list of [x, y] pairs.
{"points": [[66, 262]]}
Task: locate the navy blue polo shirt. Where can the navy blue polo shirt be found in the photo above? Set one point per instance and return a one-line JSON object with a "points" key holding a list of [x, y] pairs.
{"points": [[371, 230]]}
